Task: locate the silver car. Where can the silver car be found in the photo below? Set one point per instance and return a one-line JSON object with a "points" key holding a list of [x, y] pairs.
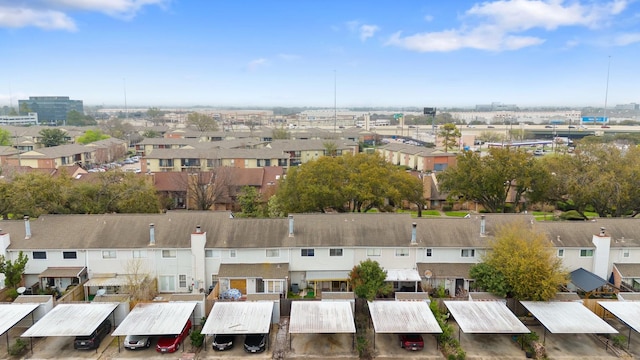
{"points": [[133, 342]]}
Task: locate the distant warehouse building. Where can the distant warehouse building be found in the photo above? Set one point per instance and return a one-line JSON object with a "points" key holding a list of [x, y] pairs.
{"points": [[17, 120], [51, 109]]}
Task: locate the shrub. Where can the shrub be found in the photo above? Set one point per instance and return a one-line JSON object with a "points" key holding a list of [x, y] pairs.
{"points": [[571, 215], [196, 338], [619, 341], [17, 348]]}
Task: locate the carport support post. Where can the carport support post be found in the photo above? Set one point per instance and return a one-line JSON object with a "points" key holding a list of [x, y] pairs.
{"points": [[629, 338]]}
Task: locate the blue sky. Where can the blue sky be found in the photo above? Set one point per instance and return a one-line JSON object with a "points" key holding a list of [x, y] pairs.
{"points": [[306, 53]]}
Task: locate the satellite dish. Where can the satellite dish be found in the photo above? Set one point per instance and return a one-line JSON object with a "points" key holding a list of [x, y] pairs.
{"points": [[101, 292], [428, 274], [21, 290]]}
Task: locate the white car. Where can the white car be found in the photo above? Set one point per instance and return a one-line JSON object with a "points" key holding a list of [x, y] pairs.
{"points": [[133, 342]]}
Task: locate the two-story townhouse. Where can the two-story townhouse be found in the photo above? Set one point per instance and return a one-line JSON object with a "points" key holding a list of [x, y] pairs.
{"points": [[302, 151], [55, 156], [6, 152], [147, 145], [189, 251], [206, 159], [417, 157], [109, 150]]}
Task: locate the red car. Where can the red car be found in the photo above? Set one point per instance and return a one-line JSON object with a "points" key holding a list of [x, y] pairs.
{"points": [[171, 343], [411, 342]]}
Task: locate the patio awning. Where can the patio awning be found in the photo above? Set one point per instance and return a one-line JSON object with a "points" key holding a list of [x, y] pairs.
{"points": [[116, 280], [63, 272], [402, 275], [263, 271], [327, 275], [587, 280]]}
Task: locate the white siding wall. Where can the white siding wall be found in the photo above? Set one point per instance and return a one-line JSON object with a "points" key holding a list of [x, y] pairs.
{"points": [[321, 260], [448, 255], [572, 260], [54, 259]]}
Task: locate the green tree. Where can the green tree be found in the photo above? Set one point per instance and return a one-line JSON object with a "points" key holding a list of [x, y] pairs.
{"points": [[13, 271], [411, 189], [526, 260], [5, 137], [450, 135], [368, 280], [76, 118], [491, 136], [490, 180], [53, 137], [330, 148], [118, 129], [114, 191], [151, 134], [281, 134], [202, 122], [155, 115], [90, 136], [24, 109], [250, 201], [34, 194]]}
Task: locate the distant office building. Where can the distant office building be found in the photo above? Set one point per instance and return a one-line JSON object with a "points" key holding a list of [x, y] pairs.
{"points": [[631, 106], [496, 106], [30, 119], [51, 109]]}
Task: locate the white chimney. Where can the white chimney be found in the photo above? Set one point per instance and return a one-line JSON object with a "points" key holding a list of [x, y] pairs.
{"points": [[152, 235], [27, 228], [601, 255], [414, 240], [483, 226], [290, 225], [198, 230]]}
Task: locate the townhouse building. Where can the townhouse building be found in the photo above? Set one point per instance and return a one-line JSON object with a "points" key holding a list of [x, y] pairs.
{"points": [[302, 151], [193, 251], [55, 156], [417, 157], [195, 160]]}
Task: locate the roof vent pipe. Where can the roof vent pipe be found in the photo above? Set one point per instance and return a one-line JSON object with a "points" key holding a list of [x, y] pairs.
{"points": [[152, 234], [198, 231], [483, 225], [414, 240], [290, 225], [602, 229], [27, 228]]}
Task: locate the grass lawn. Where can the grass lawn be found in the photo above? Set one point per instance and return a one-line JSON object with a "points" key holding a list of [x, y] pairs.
{"points": [[456, 213]]}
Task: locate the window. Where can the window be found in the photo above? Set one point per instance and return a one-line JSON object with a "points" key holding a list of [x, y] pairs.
{"points": [[232, 253], [335, 252], [374, 252], [468, 253], [402, 252], [108, 254], [69, 255], [586, 253], [429, 252], [273, 252], [168, 254], [307, 252], [138, 254], [40, 255], [167, 283], [212, 253], [182, 281], [560, 252], [625, 253]]}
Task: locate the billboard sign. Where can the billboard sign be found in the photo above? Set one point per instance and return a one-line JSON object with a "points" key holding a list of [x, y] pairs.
{"points": [[397, 116], [595, 120], [430, 111]]}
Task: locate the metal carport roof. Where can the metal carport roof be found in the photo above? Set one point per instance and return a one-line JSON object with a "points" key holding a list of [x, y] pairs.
{"points": [[250, 317], [158, 318], [11, 314], [321, 317], [562, 317], [403, 317], [626, 311], [485, 317], [71, 320], [402, 275]]}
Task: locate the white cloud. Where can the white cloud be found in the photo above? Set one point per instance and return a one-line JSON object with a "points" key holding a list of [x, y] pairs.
{"points": [[15, 17], [118, 8], [367, 31], [53, 14], [428, 18], [364, 31], [257, 63], [499, 25], [626, 39]]}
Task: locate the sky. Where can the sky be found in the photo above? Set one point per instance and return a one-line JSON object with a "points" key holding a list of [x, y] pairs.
{"points": [[329, 53]]}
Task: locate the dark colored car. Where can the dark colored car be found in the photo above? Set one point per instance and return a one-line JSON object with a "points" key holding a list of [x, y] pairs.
{"points": [[93, 341], [171, 343], [223, 342], [255, 343], [411, 342]]}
